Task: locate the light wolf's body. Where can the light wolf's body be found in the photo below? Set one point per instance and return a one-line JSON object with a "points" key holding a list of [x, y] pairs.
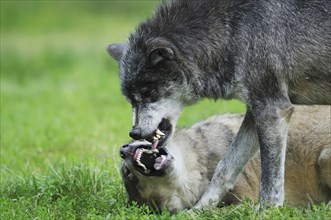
{"points": [[197, 150]]}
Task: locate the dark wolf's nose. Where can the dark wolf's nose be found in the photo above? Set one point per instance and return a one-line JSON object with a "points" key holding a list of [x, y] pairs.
{"points": [[135, 133], [124, 151]]}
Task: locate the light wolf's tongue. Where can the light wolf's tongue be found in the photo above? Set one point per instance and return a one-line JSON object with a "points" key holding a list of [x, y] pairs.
{"points": [[159, 162]]}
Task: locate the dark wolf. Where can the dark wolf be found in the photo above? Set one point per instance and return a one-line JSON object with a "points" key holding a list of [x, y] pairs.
{"points": [[269, 54], [192, 155]]}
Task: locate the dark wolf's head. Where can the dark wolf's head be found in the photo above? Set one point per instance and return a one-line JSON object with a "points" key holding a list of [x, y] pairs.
{"points": [[154, 79], [163, 63]]}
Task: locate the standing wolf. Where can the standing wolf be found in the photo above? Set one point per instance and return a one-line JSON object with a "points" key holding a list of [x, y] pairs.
{"points": [[269, 54]]}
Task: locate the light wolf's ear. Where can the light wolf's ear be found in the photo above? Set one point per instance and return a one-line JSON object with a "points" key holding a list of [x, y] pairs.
{"points": [[160, 54], [116, 50]]}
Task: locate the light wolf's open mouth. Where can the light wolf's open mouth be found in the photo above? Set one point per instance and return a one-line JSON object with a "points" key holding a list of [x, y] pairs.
{"points": [[150, 162], [161, 134]]}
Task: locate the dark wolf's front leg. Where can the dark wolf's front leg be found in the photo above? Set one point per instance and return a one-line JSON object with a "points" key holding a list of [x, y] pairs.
{"points": [[228, 169], [266, 122], [272, 120], [268, 100], [271, 125]]}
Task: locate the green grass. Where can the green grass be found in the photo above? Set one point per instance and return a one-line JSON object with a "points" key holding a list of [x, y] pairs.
{"points": [[95, 192], [63, 117]]}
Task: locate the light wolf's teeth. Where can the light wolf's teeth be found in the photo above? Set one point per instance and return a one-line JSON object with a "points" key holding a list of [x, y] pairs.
{"points": [[155, 138], [149, 151], [155, 151], [158, 132], [158, 136], [139, 155], [142, 166], [136, 155]]}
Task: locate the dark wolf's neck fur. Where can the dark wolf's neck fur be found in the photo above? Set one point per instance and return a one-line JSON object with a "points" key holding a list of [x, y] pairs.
{"points": [[202, 33]]}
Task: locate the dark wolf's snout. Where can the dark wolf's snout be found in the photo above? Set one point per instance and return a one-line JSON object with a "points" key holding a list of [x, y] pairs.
{"points": [[125, 151], [135, 133]]}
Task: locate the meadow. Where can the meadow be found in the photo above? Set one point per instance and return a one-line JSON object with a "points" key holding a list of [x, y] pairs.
{"points": [[63, 117]]}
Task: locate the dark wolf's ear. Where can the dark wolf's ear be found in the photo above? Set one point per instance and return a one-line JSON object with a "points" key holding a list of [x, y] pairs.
{"points": [[116, 50], [160, 54]]}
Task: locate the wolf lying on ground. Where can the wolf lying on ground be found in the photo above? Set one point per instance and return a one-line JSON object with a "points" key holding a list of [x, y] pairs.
{"points": [[269, 54], [192, 155]]}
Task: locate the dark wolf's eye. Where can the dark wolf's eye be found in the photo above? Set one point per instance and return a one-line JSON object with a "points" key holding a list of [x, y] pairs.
{"points": [[145, 93], [149, 95]]}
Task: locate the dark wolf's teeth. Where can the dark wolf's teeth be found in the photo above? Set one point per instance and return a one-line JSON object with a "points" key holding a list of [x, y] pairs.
{"points": [[155, 143], [160, 133]]}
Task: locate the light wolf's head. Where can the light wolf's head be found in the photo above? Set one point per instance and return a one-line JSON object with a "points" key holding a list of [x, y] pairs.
{"points": [[154, 79]]}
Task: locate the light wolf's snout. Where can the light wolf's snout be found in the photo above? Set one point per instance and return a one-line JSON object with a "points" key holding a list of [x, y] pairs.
{"points": [[125, 151]]}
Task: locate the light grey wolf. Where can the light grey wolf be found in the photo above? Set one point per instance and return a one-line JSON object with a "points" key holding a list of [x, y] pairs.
{"points": [[269, 54], [192, 155]]}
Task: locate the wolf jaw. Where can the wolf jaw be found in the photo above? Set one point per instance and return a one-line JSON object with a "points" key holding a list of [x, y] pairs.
{"points": [[161, 114], [146, 160], [162, 134]]}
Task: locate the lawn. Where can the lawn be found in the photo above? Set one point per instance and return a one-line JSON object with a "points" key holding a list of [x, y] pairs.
{"points": [[63, 117]]}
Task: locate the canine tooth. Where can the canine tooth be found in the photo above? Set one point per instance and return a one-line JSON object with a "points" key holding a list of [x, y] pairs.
{"points": [[158, 136], [155, 143], [142, 166], [155, 138], [159, 132]]}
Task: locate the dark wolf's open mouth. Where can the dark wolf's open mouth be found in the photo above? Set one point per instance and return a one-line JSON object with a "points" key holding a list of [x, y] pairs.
{"points": [[161, 134], [150, 162]]}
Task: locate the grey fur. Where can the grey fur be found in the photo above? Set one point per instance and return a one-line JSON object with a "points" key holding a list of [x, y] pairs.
{"points": [[195, 152], [269, 54]]}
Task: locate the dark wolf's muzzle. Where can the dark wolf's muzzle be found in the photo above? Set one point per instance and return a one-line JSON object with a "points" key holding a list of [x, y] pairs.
{"points": [[135, 133], [158, 137]]}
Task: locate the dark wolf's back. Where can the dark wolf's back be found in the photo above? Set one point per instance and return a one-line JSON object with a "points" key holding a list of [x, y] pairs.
{"points": [[220, 39], [292, 39]]}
